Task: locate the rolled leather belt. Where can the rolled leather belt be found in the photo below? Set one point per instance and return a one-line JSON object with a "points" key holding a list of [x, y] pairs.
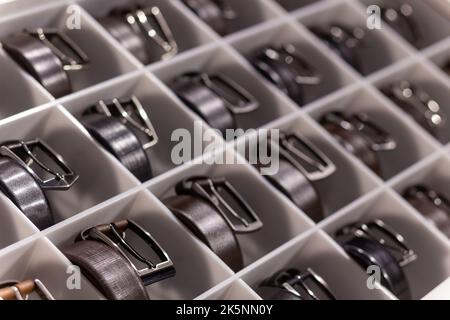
{"points": [[121, 126], [432, 205], [359, 136], [21, 290], [295, 176], [286, 69], [344, 41], [215, 98], [39, 55], [201, 208], [377, 244], [291, 284], [217, 14], [401, 19], [101, 254], [417, 103], [22, 185]]}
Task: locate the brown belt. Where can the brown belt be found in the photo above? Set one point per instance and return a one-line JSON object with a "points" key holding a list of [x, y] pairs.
{"points": [[21, 290]]}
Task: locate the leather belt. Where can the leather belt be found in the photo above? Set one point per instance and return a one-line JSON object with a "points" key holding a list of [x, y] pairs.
{"points": [[377, 244], [123, 127], [359, 136], [215, 98], [48, 56], [15, 290], [291, 284], [139, 30], [26, 172], [419, 105], [344, 41], [401, 19], [434, 206], [217, 14], [215, 213], [287, 69], [104, 255], [301, 164], [446, 68]]}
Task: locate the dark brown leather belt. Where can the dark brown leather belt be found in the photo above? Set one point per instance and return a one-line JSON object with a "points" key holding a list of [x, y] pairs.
{"points": [[401, 19], [301, 164], [29, 168], [214, 212], [215, 98], [359, 136], [141, 31], [291, 284], [217, 14], [434, 206], [15, 290], [286, 69], [377, 244], [446, 68], [105, 257], [44, 53], [123, 127]]}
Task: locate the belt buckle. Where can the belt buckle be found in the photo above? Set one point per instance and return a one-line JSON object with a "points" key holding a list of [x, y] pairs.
{"points": [[227, 11], [70, 63], [114, 235], [31, 285], [438, 200], [306, 157], [301, 280], [24, 154], [421, 101], [237, 100], [141, 21], [380, 233], [208, 189], [130, 111]]}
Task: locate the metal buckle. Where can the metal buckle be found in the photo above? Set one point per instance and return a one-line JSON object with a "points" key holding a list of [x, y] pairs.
{"points": [[31, 286], [306, 157], [438, 200], [48, 37], [209, 190], [131, 112], [24, 154], [236, 99], [421, 101], [114, 235], [142, 20], [227, 11], [395, 17], [378, 138], [399, 248]]}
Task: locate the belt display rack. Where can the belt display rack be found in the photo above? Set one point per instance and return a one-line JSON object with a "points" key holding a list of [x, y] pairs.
{"points": [[87, 116]]}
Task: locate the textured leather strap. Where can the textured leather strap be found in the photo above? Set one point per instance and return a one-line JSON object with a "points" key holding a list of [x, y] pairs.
{"points": [[107, 269], [209, 226], [211, 13], [23, 190], [120, 141], [298, 189], [39, 60]]}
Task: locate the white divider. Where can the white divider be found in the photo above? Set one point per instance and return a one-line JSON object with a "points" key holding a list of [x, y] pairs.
{"points": [[237, 290]]}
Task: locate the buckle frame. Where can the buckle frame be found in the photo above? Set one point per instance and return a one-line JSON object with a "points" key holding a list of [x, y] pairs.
{"points": [[69, 63], [58, 181], [438, 200], [114, 235], [207, 189], [30, 286], [323, 165], [300, 280], [125, 109]]}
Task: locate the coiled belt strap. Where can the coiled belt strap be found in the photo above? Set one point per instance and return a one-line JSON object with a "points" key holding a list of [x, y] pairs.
{"points": [[21, 290]]}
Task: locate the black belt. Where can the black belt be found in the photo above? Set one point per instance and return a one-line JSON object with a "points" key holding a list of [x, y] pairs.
{"points": [[446, 68], [120, 126], [214, 212], [25, 174], [287, 69], [301, 163], [434, 206], [15, 290], [215, 98], [139, 30], [344, 41], [215, 13], [291, 284], [419, 105], [375, 243], [104, 257], [43, 54], [359, 136], [401, 19]]}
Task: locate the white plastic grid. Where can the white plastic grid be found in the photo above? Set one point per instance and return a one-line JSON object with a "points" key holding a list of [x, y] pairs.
{"points": [[290, 238]]}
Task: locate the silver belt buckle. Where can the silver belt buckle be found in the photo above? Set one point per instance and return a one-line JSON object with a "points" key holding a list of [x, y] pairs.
{"points": [[301, 280]]}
